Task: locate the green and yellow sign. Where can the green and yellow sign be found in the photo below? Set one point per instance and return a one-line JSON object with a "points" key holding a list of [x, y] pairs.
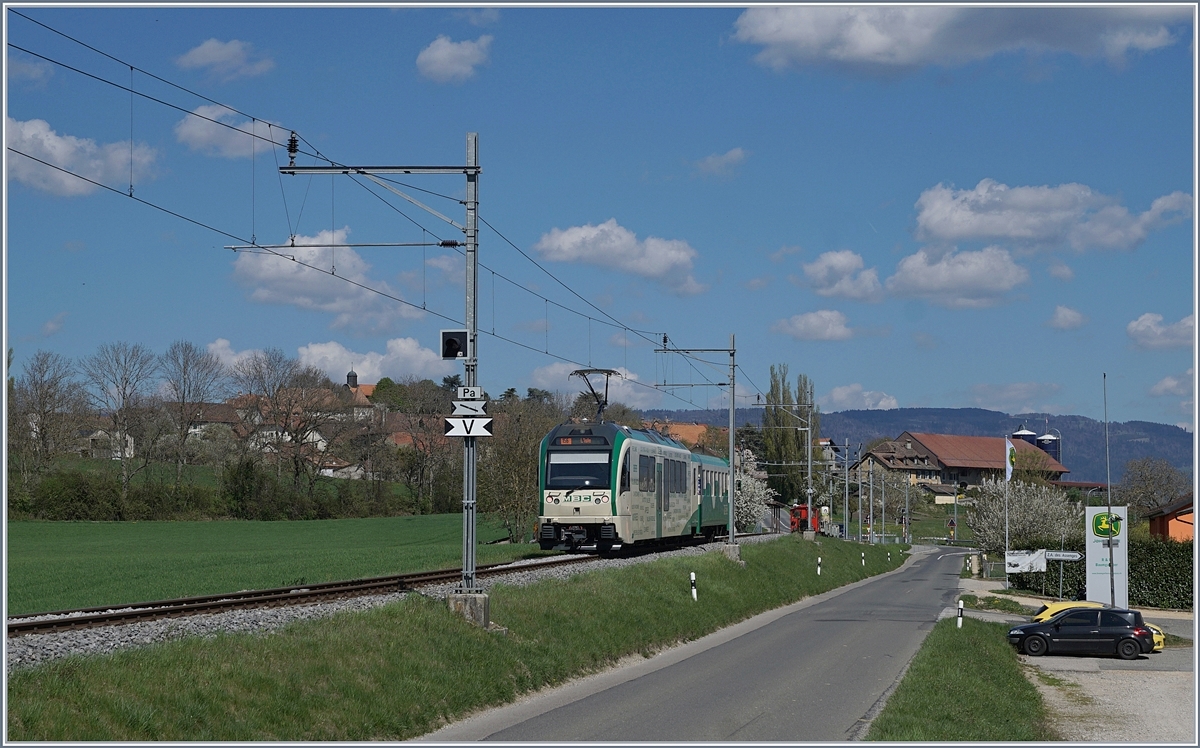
{"points": [[1105, 525]]}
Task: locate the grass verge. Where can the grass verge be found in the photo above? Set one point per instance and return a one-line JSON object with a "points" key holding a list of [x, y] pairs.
{"points": [[964, 685], [990, 602], [400, 671]]}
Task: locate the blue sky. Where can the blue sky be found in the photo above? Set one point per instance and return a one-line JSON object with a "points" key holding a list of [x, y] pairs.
{"points": [[916, 207]]}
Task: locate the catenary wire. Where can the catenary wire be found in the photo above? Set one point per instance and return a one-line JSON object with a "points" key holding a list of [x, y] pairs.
{"points": [[352, 282]]}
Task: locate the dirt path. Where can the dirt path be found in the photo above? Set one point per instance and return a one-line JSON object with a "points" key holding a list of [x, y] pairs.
{"points": [[1119, 706]]}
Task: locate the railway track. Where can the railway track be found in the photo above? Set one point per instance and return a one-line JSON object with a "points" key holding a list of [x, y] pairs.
{"points": [[62, 620], [110, 615]]}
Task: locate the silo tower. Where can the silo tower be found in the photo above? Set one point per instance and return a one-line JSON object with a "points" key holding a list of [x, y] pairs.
{"points": [[1025, 435], [1051, 445]]}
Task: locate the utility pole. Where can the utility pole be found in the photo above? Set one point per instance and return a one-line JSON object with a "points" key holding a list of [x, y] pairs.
{"points": [[732, 550], [472, 601]]}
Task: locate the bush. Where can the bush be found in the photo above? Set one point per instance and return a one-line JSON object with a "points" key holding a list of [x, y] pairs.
{"points": [[77, 496]]}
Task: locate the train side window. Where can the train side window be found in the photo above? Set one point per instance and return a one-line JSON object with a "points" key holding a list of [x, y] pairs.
{"points": [[625, 473], [646, 473]]}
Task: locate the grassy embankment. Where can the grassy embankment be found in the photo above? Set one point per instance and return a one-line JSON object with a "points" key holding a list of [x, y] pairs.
{"points": [[400, 671], [57, 565], [964, 685]]}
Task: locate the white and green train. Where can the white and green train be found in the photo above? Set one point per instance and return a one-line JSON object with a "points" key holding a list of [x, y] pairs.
{"points": [[604, 484]]}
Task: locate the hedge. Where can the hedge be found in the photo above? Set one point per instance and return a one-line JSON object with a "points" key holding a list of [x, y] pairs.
{"points": [[1160, 574]]}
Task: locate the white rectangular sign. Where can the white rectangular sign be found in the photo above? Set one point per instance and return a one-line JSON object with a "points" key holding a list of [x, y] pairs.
{"points": [[1018, 562], [470, 393], [468, 427], [1064, 556], [1105, 584], [470, 408]]}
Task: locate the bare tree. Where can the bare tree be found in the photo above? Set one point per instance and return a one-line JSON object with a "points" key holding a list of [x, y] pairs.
{"points": [[508, 465], [191, 377], [46, 407], [290, 405], [119, 378], [1150, 482], [431, 456]]}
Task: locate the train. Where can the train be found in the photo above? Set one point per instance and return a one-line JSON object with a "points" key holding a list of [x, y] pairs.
{"points": [[603, 484]]}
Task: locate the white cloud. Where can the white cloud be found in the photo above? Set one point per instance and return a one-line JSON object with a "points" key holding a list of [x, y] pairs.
{"points": [[106, 164], [882, 38], [854, 397], [223, 350], [279, 280], [34, 71], [1041, 217], [54, 324], [479, 17], [721, 164], [202, 133], [1019, 397], [1061, 271], [958, 279], [226, 60], [667, 261], [1066, 318], [445, 61], [404, 357], [780, 254], [1147, 331], [557, 377], [1180, 386], [834, 274], [825, 324]]}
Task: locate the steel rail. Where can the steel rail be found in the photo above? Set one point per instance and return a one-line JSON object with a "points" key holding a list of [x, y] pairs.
{"points": [[36, 623]]}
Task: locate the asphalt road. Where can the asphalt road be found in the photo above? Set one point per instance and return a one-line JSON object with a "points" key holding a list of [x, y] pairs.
{"points": [[814, 671]]}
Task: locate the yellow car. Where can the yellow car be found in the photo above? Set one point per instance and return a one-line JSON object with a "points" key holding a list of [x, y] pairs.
{"points": [[1050, 610]]}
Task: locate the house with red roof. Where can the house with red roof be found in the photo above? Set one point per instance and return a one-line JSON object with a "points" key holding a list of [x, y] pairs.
{"points": [[950, 460]]}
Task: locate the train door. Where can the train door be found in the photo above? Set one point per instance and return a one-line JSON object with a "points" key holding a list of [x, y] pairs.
{"points": [[659, 490]]}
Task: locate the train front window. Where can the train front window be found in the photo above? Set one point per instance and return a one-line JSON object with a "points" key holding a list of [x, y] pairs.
{"points": [[577, 470]]}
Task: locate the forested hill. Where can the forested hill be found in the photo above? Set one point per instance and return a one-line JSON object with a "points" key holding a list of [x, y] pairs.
{"points": [[1083, 438]]}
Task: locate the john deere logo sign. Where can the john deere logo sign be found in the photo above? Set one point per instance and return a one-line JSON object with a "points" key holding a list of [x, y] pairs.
{"points": [[1105, 525]]}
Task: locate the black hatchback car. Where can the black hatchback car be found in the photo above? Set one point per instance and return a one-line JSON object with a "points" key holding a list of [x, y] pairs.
{"points": [[1086, 631]]}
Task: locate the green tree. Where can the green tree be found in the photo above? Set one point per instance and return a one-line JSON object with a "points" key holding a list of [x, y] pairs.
{"points": [[389, 394], [783, 441]]}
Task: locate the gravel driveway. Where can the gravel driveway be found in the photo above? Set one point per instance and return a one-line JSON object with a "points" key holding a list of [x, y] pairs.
{"points": [[1092, 699]]}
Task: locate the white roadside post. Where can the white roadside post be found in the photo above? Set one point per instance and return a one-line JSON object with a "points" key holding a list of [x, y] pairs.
{"points": [[693, 586], [818, 566], [960, 612]]}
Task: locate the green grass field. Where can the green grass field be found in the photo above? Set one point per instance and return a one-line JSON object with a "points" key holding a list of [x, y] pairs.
{"points": [[57, 565], [402, 670], [964, 685]]}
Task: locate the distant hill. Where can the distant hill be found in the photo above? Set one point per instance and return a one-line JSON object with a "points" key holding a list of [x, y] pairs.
{"points": [[1083, 438]]}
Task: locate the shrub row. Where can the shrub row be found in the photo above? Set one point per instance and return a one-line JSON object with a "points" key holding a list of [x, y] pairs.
{"points": [[1160, 573], [246, 490]]}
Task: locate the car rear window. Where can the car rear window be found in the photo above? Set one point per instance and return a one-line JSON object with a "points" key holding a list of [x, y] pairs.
{"points": [[1114, 618]]}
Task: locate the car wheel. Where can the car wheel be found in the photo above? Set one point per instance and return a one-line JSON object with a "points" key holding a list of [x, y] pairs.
{"points": [[1128, 649], [1035, 646]]}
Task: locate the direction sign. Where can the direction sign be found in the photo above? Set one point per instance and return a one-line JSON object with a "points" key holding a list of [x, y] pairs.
{"points": [[468, 427], [1064, 556], [470, 408]]}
